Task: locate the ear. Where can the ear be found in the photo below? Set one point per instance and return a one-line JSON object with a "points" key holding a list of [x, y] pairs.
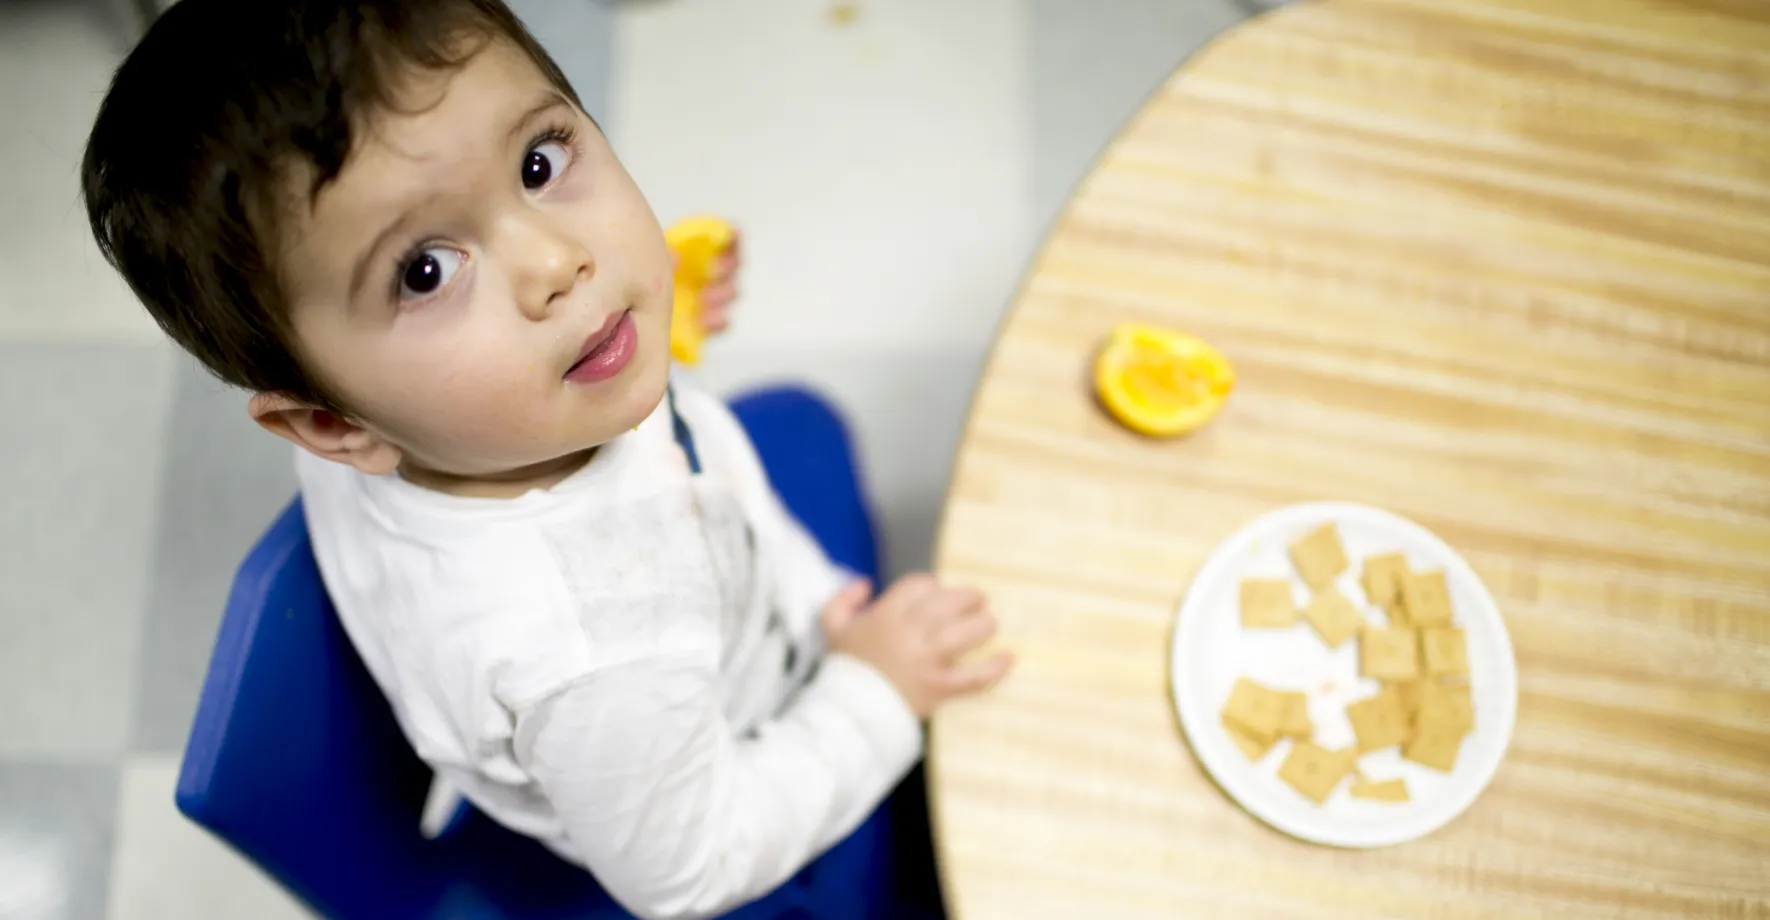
{"points": [[325, 434]]}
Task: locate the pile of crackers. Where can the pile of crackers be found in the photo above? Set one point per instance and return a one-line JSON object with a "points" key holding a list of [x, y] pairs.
{"points": [[1419, 655]]}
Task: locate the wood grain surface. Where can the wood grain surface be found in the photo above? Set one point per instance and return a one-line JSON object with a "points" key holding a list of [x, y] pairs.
{"points": [[1500, 266]]}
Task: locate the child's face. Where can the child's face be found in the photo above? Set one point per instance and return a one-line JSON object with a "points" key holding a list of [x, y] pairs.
{"points": [[480, 240]]}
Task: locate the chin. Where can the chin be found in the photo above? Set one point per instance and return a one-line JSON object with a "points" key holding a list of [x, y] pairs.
{"points": [[616, 406], [647, 378]]}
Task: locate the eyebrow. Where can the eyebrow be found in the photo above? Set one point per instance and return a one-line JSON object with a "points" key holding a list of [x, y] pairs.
{"points": [[550, 101], [360, 270]]}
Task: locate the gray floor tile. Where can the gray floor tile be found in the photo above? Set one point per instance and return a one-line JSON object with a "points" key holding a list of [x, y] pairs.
{"points": [[1093, 65], [225, 479], [56, 827], [82, 429]]}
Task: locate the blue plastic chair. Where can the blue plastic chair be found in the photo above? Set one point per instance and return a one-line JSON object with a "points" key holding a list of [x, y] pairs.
{"points": [[296, 761]]}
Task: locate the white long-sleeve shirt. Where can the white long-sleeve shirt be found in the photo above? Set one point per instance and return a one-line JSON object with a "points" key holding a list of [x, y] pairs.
{"points": [[627, 666]]}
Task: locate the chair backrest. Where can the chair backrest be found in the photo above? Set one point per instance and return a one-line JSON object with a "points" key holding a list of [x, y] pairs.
{"points": [[804, 447], [295, 758]]}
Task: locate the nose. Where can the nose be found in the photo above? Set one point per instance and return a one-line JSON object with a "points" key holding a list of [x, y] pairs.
{"points": [[547, 263]]}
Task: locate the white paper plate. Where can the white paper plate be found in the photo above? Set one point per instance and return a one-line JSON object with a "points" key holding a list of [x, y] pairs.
{"points": [[1211, 650]]}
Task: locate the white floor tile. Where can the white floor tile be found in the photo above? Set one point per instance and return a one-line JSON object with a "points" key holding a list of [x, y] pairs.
{"points": [[878, 167], [56, 59], [167, 867], [906, 412]]}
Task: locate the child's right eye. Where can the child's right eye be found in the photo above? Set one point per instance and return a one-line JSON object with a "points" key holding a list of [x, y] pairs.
{"points": [[426, 273]]}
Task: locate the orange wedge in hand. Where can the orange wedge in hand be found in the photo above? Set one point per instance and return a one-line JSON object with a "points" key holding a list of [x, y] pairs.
{"points": [[1160, 382], [698, 242]]}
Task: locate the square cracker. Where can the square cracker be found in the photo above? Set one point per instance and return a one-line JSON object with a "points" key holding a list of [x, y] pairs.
{"points": [[1409, 693], [1313, 771], [1396, 611], [1266, 603], [1295, 723], [1381, 578], [1384, 790], [1388, 654], [1445, 651], [1333, 616], [1427, 599], [1435, 746], [1255, 709], [1379, 721], [1319, 557], [1251, 747], [1449, 707]]}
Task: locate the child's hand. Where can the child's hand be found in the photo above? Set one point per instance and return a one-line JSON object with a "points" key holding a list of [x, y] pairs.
{"points": [[916, 635], [721, 289]]}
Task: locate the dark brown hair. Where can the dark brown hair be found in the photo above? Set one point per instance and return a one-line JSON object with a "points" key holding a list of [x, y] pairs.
{"points": [[204, 121]]}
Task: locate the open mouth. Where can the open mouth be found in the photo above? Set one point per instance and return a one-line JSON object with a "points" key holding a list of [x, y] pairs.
{"points": [[607, 351]]}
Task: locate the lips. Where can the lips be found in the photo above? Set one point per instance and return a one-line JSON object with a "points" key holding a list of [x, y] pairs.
{"points": [[607, 351]]}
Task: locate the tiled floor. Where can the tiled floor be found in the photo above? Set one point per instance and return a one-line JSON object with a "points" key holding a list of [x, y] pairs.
{"points": [[894, 175]]}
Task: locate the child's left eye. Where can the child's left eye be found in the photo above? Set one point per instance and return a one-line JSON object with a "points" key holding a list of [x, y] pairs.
{"points": [[543, 163]]}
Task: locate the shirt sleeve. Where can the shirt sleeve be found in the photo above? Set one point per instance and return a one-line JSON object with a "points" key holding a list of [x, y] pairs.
{"points": [[676, 816]]}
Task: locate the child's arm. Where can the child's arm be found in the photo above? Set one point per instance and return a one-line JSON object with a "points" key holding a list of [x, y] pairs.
{"points": [[675, 815], [679, 817]]}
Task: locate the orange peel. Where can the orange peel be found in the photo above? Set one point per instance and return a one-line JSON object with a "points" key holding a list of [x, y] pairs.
{"points": [[1161, 382], [697, 242]]}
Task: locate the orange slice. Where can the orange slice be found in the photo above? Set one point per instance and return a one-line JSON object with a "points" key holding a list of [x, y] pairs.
{"points": [[698, 242], [1160, 382]]}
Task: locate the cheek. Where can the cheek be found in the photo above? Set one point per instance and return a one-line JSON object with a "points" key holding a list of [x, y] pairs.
{"points": [[474, 392], [654, 328]]}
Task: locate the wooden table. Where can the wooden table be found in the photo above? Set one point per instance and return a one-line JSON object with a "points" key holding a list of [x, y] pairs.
{"points": [[1502, 267]]}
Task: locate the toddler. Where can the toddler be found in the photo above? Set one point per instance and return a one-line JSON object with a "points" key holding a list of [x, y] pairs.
{"points": [[395, 225]]}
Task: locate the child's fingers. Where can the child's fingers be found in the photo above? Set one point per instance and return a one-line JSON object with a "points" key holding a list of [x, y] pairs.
{"points": [[911, 590], [719, 295], [977, 676], [846, 605], [964, 634], [953, 603], [855, 594], [728, 262], [715, 318]]}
